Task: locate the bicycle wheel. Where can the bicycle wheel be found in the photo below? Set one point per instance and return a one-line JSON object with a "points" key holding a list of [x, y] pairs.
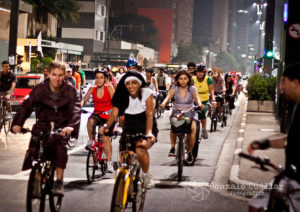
{"points": [[140, 193], [54, 201], [35, 200], [211, 123], [103, 164], [91, 165], [120, 193], [7, 125], [72, 142], [180, 157]]}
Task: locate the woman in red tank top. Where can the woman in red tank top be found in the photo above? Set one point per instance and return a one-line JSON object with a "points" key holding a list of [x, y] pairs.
{"points": [[102, 95]]}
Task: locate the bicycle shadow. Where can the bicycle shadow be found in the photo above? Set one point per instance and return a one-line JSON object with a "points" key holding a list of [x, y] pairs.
{"points": [[170, 182], [83, 184], [198, 163]]}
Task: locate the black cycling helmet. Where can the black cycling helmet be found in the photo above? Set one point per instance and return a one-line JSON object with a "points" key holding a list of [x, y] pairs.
{"points": [[103, 71], [201, 67]]}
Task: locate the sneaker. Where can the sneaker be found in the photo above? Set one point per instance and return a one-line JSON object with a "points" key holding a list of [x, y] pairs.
{"points": [[148, 181], [58, 188], [172, 152], [88, 145], [37, 187], [190, 158], [110, 168], [204, 134]]}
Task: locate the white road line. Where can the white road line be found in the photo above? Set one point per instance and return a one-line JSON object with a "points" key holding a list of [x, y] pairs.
{"points": [[72, 151], [112, 181]]}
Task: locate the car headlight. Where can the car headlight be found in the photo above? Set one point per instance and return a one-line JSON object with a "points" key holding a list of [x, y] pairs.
{"points": [[26, 97]]}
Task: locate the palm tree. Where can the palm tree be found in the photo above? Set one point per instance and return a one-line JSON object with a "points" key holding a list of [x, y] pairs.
{"points": [[65, 10]]}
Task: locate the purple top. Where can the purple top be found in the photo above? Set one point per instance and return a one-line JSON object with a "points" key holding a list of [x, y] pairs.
{"points": [[185, 103]]}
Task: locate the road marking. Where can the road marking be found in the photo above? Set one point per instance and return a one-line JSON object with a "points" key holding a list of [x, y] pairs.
{"points": [[72, 151], [268, 130], [237, 151], [241, 130], [240, 139], [112, 181]]}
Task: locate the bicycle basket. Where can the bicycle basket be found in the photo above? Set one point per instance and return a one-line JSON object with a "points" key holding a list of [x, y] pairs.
{"points": [[179, 125]]}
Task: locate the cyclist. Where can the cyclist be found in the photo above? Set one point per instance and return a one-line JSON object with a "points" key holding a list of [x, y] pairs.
{"points": [[185, 95], [77, 77], [69, 76], [135, 101], [151, 81], [82, 75], [102, 95], [230, 90], [7, 85], [55, 100], [204, 85], [219, 88], [191, 68], [163, 80], [290, 86]]}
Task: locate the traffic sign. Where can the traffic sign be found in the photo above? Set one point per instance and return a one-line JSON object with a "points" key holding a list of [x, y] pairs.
{"points": [[294, 31]]}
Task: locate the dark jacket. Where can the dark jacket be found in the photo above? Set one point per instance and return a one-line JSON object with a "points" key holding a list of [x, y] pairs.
{"points": [[63, 109]]}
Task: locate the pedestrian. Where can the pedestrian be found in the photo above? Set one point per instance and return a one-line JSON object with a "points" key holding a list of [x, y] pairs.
{"points": [[290, 87]]}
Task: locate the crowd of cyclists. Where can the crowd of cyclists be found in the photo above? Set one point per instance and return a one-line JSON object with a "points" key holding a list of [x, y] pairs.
{"points": [[126, 95]]}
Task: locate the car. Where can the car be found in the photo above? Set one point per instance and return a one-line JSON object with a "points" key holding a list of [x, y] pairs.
{"points": [[24, 85]]}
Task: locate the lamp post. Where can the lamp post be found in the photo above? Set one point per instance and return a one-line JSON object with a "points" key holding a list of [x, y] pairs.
{"points": [[259, 7]]}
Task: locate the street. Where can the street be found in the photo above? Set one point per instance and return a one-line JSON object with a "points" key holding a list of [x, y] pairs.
{"points": [[198, 192]]}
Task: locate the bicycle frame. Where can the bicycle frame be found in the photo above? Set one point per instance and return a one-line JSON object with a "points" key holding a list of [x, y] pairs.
{"points": [[128, 177], [46, 169]]}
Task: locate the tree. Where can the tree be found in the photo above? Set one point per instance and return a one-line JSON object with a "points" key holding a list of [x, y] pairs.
{"points": [[226, 62], [66, 10], [187, 53], [146, 35]]}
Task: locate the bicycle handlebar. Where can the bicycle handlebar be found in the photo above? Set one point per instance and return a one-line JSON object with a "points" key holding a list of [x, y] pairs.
{"points": [[259, 161]]}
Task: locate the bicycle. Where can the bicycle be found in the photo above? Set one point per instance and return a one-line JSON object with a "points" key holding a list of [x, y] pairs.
{"points": [[5, 123], [129, 186], [180, 126], [281, 195], [96, 155], [159, 100], [224, 112], [214, 119], [43, 171]]}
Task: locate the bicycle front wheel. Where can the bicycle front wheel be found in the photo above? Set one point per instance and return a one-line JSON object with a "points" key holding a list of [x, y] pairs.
{"points": [[55, 202], [35, 195], [91, 165], [139, 193], [180, 157], [120, 194]]}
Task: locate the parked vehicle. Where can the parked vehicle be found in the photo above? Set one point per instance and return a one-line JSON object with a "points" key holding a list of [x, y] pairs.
{"points": [[24, 85]]}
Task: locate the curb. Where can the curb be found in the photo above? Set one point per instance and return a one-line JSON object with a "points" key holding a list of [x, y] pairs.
{"points": [[237, 186]]}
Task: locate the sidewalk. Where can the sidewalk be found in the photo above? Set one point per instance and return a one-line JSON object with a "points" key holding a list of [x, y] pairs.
{"points": [[244, 180]]}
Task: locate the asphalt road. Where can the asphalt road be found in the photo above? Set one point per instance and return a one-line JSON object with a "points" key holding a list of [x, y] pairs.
{"points": [[195, 193]]}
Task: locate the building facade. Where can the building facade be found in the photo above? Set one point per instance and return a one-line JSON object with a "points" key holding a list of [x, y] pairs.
{"points": [[90, 31]]}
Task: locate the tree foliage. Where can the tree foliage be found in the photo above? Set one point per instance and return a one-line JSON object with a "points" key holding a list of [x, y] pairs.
{"points": [[186, 53], [226, 62], [66, 10], [146, 35]]}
